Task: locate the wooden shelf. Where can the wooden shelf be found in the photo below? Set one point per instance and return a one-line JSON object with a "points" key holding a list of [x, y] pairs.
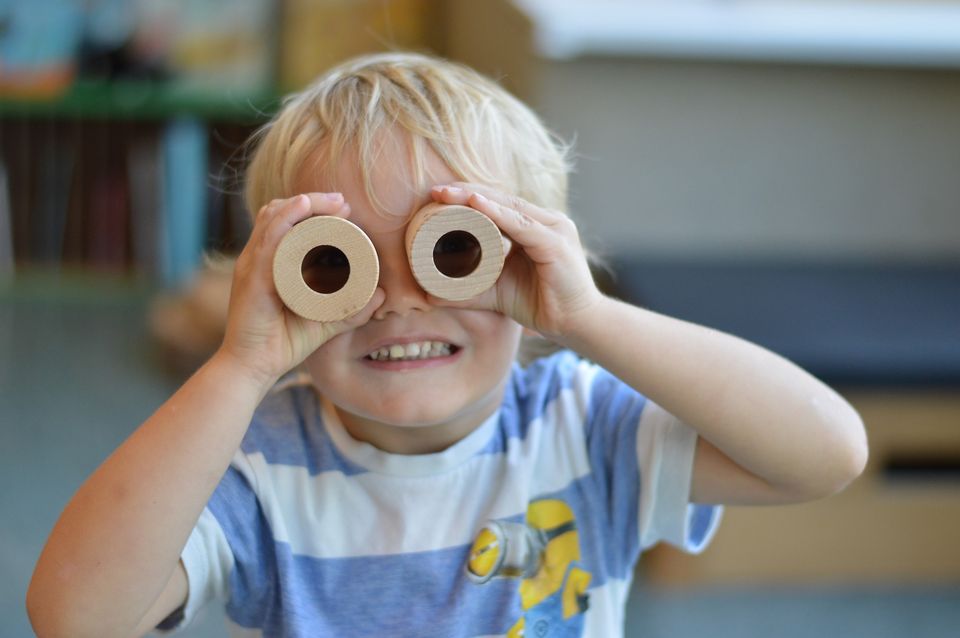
{"points": [[141, 100]]}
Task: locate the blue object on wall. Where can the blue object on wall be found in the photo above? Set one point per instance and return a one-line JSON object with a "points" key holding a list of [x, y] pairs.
{"points": [[38, 35], [185, 153]]}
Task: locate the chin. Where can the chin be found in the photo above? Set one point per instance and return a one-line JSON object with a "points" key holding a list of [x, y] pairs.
{"points": [[411, 416]]}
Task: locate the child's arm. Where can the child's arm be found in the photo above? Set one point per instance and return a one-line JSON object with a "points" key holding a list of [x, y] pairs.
{"points": [[111, 565], [769, 432]]}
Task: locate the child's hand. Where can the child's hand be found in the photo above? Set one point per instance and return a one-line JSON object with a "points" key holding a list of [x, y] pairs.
{"points": [[262, 334], [546, 283]]}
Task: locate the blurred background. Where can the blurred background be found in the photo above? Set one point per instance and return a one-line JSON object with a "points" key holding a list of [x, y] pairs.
{"points": [[785, 171]]}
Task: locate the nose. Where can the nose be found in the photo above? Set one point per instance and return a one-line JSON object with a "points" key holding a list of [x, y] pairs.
{"points": [[403, 294]]}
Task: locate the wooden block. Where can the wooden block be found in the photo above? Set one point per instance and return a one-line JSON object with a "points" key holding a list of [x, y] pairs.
{"points": [[455, 252], [333, 305]]}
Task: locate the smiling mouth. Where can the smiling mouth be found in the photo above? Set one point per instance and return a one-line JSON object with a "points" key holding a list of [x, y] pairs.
{"points": [[416, 351]]}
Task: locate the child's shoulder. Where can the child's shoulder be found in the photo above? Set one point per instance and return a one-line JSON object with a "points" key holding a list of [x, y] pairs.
{"points": [[288, 413], [560, 368], [544, 380], [567, 377], [288, 430], [288, 398]]}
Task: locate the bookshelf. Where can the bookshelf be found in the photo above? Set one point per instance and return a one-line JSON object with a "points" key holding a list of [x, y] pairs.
{"points": [[130, 178], [140, 100], [133, 167]]}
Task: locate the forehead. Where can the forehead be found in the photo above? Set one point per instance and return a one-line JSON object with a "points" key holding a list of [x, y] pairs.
{"points": [[383, 191]]}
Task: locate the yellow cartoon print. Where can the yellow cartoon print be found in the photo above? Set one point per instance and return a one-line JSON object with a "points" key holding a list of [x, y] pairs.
{"points": [[544, 552]]}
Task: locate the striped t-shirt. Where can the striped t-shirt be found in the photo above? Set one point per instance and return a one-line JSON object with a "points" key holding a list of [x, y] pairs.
{"points": [[529, 526]]}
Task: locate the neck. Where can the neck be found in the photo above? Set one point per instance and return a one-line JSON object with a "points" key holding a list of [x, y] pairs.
{"points": [[397, 439], [419, 439]]}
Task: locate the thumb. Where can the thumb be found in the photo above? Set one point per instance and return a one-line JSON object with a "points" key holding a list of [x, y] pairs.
{"points": [[362, 317], [487, 300]]}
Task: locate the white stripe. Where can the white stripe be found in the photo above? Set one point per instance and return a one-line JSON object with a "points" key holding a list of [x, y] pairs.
{"points": [[207, 560], [567, 445], [607, 612], [665, 451], [331, 515]]}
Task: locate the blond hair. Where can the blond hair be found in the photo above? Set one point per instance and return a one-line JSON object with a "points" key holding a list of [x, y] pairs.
{"points": [[482, 133]]}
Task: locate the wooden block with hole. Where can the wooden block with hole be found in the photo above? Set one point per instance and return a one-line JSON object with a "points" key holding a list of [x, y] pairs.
{"points": [[314, 288], [455, 252]]}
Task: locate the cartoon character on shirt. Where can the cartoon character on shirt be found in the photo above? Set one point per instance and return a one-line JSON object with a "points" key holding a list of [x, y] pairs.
{"points": [[545, 553]]}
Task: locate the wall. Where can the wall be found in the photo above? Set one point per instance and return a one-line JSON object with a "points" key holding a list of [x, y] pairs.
{"points": [[701, 159]]}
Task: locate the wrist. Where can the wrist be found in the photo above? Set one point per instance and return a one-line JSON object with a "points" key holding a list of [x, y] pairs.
{"points": [[581, 326], [242, 372]]}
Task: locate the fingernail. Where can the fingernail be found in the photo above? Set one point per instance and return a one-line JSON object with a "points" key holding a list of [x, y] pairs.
{"points": [[333, 196], [453, 189]]}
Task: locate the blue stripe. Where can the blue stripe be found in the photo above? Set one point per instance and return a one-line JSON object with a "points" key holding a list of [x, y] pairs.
{"points": [[408, 595], [254, 580], [541, 383], [702, 520], [612, 418], [529, 393]]}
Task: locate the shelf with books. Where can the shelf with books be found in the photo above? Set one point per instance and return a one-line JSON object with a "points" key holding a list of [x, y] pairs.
{"points": [[140, 190], [143, 100], [109, 140]]}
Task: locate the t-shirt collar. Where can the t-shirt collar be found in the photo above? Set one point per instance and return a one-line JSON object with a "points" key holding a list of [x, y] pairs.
{"points": [[379, 461]]}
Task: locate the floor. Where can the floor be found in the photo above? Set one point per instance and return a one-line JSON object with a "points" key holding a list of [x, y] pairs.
{"points": [[78, 373]]}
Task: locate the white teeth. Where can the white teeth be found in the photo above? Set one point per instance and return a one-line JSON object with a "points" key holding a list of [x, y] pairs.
{"points": [[411, 351]]}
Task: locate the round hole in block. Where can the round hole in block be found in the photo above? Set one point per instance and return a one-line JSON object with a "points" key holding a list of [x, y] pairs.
{"points": [[457, 254], [325, 269]]}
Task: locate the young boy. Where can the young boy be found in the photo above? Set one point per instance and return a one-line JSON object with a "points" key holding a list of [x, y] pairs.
{"points": [[419, 483]]}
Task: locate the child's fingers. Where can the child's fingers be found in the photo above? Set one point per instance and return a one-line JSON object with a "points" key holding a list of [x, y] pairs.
{"points": [[267, 213], [544, 234], [275, 219], [460, 193], [540, 242], [261, 222], [328, 204], [319, 203], [366, 313], [299, 208]]}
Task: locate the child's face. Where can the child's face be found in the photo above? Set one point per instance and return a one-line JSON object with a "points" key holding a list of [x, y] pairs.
{"points": [[413, 405]]}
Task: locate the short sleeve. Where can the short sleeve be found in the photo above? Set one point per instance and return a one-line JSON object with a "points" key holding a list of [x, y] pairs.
{"points": [[207, 559], [665, 455]]}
